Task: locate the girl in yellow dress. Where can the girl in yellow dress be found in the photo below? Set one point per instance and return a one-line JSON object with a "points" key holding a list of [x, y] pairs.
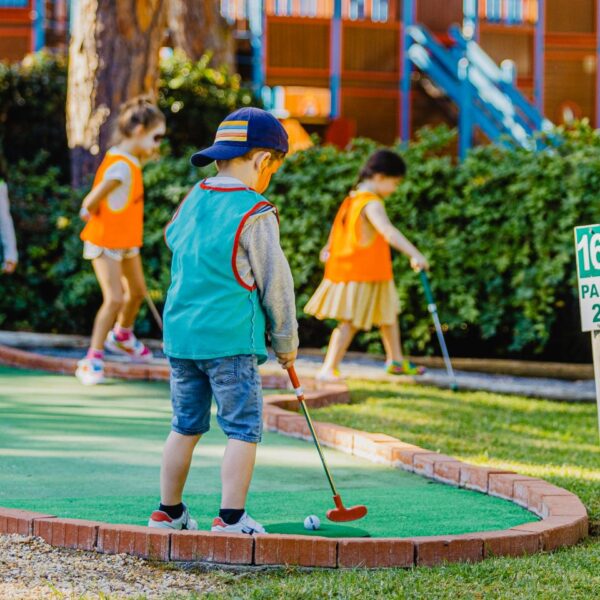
{"points": [[358, 289]]}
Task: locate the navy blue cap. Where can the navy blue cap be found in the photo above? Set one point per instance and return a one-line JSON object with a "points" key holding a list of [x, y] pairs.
{"points": [[241, 131]]}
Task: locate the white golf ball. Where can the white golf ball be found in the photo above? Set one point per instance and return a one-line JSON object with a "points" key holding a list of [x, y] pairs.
{"points": [[312, 522]]}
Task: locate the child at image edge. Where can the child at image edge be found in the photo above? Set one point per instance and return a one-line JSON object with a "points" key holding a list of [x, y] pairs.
{"points": [[8, 244], [358, 289], [230, 283], [112, 237]]}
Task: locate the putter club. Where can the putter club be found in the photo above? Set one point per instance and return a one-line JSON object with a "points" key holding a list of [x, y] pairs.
{"points": [[431, 306], [340, 513], [154, 311]]}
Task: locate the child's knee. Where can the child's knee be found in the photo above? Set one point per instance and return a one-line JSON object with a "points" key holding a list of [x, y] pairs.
{"points": [[136, 295], [113, 302], [347, 327]]}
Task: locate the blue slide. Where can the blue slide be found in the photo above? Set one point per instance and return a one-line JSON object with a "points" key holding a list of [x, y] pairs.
{"points": [[485, 94]]}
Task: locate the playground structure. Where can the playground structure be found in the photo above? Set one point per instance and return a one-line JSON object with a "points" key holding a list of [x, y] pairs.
{"points": [[422, 61]]}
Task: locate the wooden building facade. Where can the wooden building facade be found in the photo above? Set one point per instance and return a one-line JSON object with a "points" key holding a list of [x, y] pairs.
{"points": [[346, 60]]}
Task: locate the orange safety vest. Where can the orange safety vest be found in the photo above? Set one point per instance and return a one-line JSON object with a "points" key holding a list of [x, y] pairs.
{"points": [[123, 228], [348, 259]]}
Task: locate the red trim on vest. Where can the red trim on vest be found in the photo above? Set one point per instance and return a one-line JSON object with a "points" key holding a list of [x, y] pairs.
{"points": [[175, 215], [236, 243], [224, 189]]}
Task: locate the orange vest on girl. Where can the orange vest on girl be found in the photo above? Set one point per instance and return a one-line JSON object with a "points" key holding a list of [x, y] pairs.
{"points": [[348, 259], [122, 228]]}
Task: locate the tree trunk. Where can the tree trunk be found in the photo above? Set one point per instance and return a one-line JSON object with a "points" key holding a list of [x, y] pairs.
{"points": [[113, 57], [197, 26]]}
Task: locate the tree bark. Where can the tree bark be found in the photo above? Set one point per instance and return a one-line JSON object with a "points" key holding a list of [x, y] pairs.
{"points": [[197, 26], [113, 57]]}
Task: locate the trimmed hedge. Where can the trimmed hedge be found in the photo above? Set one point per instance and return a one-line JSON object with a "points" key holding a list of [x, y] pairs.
{"points": [[497, 229]]}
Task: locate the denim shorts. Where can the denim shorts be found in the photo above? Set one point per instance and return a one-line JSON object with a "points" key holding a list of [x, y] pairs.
{"points": [[235, 384]]}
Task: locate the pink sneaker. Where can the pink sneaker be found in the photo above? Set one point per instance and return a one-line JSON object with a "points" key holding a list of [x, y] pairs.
{"points": [[130, 347], [90, 371]]}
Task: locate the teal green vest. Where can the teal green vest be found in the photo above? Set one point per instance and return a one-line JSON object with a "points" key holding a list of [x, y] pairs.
{"points": [[210, 312]]}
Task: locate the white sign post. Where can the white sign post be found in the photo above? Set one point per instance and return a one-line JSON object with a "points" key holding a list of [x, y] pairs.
{"points": [[587, 249]]}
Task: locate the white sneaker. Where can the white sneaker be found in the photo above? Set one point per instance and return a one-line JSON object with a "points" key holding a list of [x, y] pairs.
{"points": [[161, 520], [245, 525], [90, 371], [333, 376], [131, 347]]}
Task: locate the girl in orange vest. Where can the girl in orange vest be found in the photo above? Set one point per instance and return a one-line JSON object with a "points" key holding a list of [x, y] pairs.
{"points": [[358, 289], [112, 237]]}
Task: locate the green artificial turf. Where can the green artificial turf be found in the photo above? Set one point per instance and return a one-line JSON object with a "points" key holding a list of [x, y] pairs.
{"points": [[95, 452], [325, 530]]}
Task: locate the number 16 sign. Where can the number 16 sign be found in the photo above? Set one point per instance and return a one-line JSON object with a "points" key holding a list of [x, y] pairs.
{"points": [[587, 245]]}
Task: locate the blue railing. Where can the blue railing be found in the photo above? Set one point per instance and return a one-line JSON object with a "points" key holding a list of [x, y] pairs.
{"points": [[485, 94], [14, 3]]}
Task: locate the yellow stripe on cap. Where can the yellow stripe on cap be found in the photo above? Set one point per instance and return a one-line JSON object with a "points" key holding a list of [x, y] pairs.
{"points": [[225, 123], [232, 131]]}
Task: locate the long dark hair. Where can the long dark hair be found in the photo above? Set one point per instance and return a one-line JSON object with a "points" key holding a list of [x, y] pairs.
{"points": [[382, 162]]}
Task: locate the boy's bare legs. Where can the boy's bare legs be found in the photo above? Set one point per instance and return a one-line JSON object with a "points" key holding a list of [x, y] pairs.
{"points": [[341, 337], [108, 273], [176, 461], [236, 473], [135, 290], [390, 335], [236, 470]]}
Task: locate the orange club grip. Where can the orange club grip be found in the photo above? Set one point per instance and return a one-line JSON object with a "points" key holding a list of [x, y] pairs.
{"points": [[294, 377]]}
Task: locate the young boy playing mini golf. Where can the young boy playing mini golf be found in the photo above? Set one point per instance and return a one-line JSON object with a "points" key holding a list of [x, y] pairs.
{"points": [[230, 284]]}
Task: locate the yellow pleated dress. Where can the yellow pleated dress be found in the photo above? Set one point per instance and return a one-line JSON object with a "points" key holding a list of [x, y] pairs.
{"points": [[358, 286]]}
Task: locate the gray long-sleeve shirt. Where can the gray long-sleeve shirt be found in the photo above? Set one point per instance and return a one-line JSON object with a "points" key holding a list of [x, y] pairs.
{"points": [[7, 230], [260, 260]]}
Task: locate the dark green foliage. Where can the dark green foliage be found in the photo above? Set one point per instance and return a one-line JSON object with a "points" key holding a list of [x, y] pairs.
{"points": [[195, 98], [44, 213], [33, 94], [497, 230]]}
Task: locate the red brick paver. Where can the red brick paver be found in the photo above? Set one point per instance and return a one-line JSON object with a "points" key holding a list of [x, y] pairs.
{"points": [[232, 549], [19, 521], [135, 540], [300, 550], [68, 533], [436, 550], [376, 552]]}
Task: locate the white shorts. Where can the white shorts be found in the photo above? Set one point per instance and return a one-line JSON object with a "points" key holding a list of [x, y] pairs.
{"points": [[91, 251]]}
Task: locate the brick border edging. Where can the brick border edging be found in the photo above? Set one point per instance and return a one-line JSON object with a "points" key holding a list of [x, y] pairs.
{"points": [[564, 517]]}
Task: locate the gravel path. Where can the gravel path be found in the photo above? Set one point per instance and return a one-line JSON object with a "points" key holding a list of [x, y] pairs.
{"points": [[355, 366], [372, 369], [30, 569]]}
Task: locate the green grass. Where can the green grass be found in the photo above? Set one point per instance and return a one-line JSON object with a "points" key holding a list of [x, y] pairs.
{"points": [[555, 441]]}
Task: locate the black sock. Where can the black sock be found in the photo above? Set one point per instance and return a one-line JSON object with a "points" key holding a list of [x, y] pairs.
{"points": [[174, 511], [231, 515]]}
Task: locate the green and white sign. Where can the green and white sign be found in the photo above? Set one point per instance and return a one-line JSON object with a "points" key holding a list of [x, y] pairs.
{"points": [[587, 247]]}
